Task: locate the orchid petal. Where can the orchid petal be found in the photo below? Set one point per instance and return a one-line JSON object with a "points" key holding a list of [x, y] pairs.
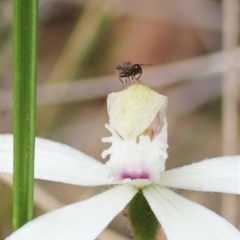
{"points": [[57, 162], [84, 220], [218, 174], [183, 219]]}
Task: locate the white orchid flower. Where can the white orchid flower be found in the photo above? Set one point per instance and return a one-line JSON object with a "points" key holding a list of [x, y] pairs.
{"points": [[138, 128]]}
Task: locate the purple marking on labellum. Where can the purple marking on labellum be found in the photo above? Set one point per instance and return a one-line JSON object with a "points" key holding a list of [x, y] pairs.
{"points": [[135, 175]]}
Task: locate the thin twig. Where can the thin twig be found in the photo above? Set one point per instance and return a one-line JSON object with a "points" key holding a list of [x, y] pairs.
{"points": [[159, 76], [230, 98]]}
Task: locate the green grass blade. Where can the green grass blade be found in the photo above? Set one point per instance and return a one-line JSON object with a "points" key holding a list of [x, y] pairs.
{"points": [[25, 72]]}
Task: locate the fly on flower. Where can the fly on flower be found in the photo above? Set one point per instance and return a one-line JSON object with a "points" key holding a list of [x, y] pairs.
{"points": [[129, 70]]}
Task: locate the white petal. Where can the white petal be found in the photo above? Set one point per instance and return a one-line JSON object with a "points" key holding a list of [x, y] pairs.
{"points": [[57, 162], [84, 220], [183, 219], [218, 174], [133, 109]]}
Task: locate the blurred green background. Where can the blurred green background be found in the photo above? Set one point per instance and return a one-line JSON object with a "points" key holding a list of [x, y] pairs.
{"points": [[80, 43]]}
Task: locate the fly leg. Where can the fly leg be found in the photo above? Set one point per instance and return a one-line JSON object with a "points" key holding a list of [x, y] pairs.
{"points": [[137, 78], [121, 80]]}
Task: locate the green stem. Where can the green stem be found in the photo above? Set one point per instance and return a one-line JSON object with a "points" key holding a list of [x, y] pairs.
{"points": [[142, 219], [25, 72]]}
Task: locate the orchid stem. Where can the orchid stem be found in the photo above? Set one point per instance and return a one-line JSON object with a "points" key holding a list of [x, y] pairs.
{"points": [[144, 224]]}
